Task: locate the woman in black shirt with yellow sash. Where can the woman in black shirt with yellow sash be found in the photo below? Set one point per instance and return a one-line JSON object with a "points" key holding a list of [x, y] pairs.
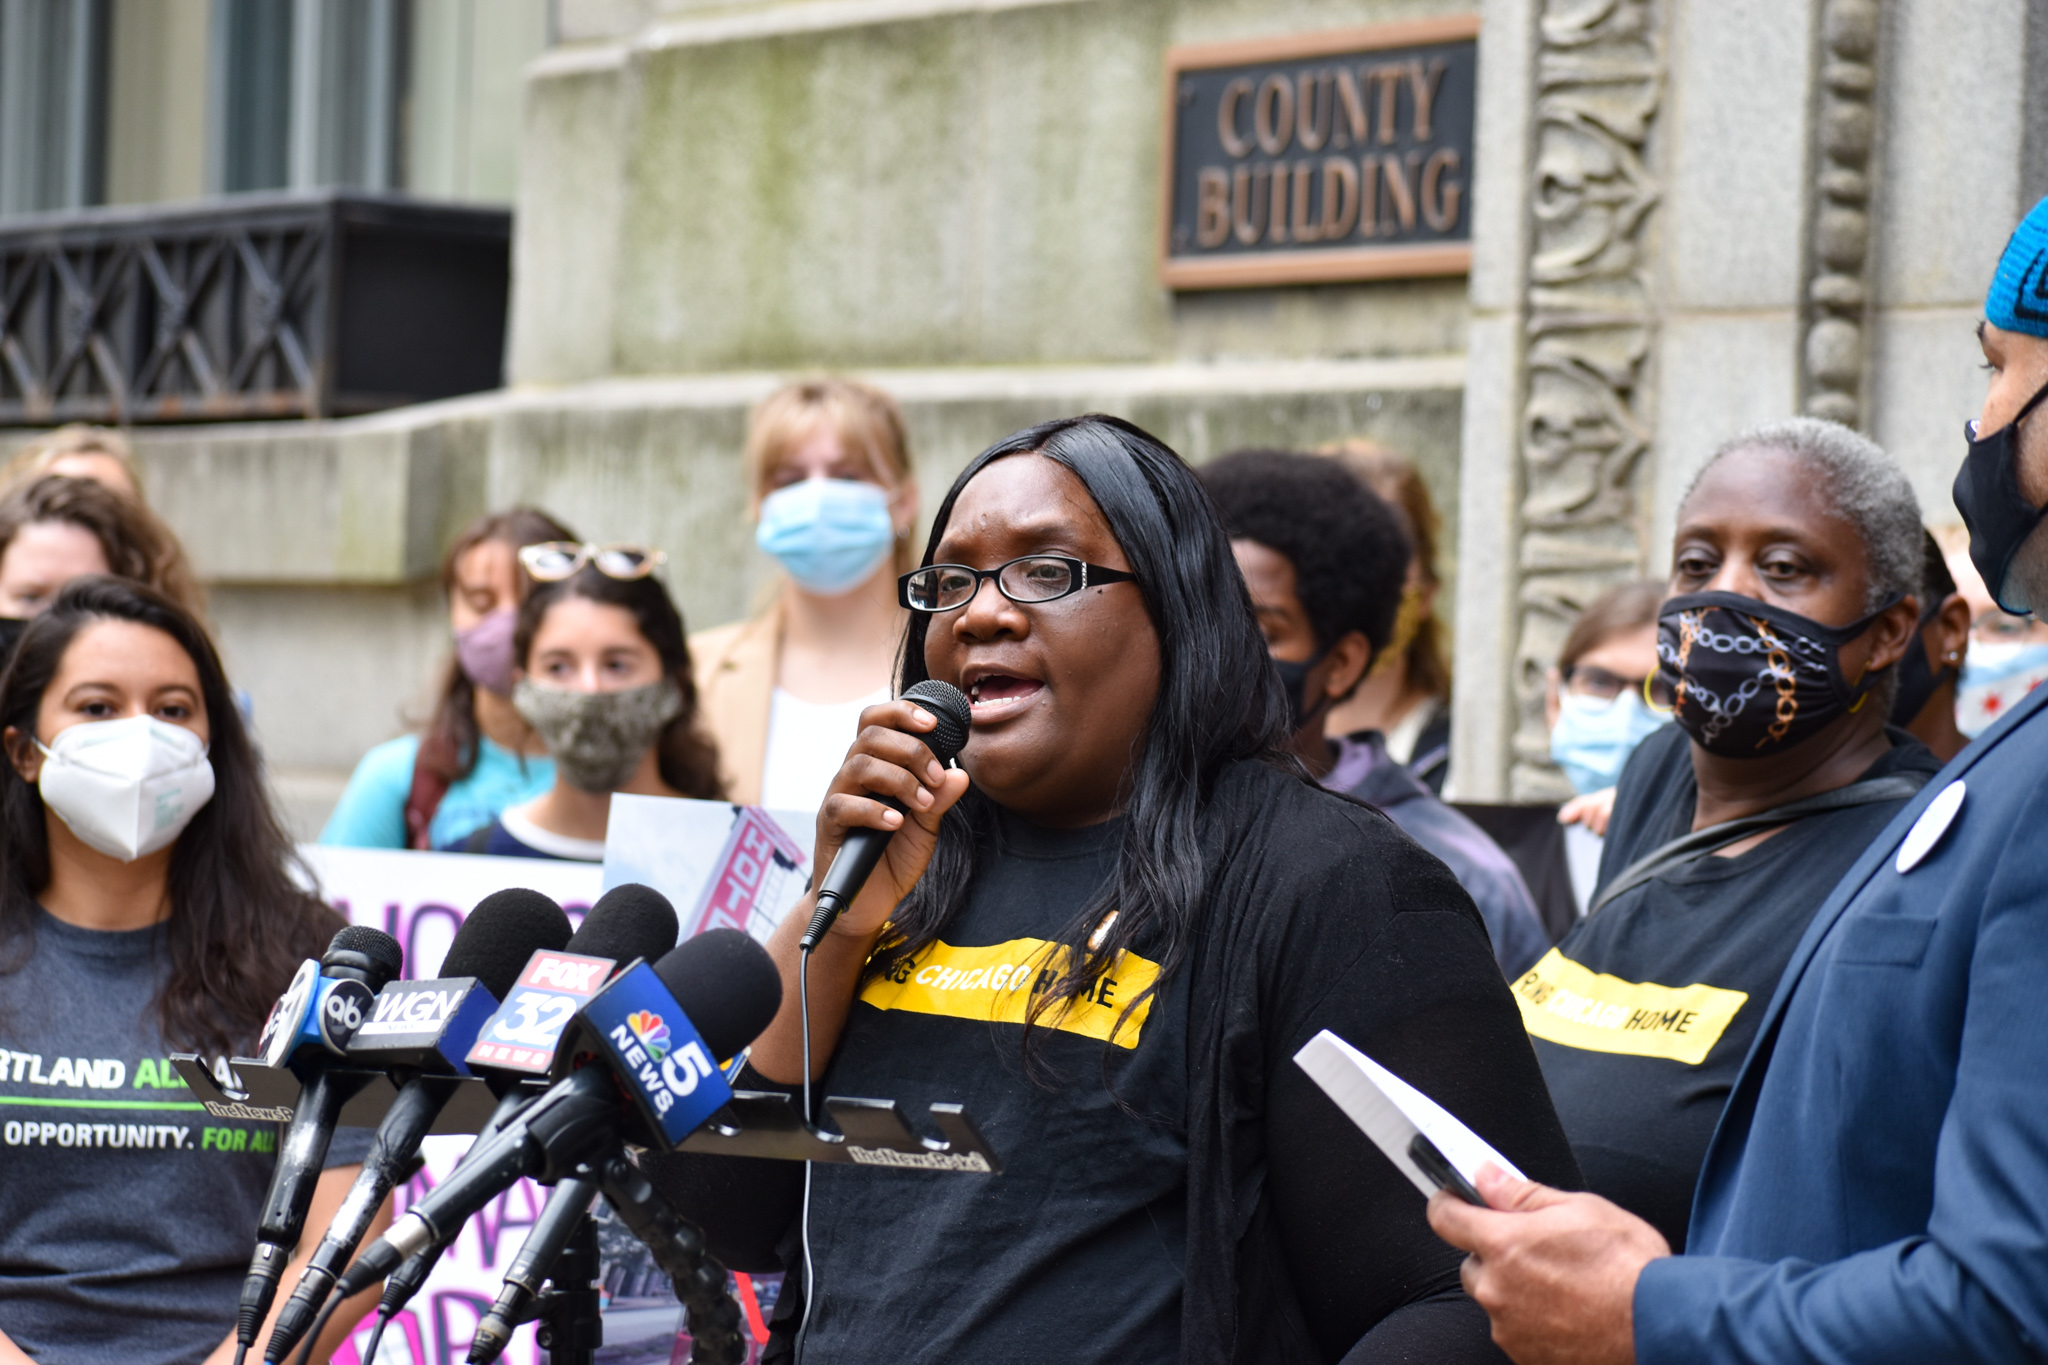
{"points": [[1795, 572], [1106, 934]]}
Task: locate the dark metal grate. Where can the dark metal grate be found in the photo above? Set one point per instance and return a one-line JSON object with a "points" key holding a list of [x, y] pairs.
{"points": [[241, 308]]}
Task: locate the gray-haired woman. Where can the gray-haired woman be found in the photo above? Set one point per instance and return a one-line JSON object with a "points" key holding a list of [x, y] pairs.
{"points": [[1796, 568]]}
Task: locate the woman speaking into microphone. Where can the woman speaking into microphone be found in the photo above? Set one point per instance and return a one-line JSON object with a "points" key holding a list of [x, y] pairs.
{"points": [[1106, 934]]}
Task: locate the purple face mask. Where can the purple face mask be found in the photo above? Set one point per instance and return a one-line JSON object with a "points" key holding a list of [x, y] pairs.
{"points": [[485, 652]]}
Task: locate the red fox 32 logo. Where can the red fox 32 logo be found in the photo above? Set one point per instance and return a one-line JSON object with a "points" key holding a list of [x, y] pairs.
{"points": [[663, 1076]]}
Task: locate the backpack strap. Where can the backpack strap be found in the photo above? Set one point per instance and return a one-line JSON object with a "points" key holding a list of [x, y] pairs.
{"points": [[1700, 842]]}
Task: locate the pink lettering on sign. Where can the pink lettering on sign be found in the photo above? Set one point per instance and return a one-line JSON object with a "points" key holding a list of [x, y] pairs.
{"points": [[757, 869]]}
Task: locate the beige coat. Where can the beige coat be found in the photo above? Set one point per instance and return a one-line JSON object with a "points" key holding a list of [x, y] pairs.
{"points": [[736, 667]]}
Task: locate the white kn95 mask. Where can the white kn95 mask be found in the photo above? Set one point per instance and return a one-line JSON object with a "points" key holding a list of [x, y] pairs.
{"points": [[126, 787]]}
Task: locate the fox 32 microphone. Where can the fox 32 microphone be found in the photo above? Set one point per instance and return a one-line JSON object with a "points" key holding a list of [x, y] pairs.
{"points": [[420, 1032], [516, 1050], [646, 1074], [309, 1030]]}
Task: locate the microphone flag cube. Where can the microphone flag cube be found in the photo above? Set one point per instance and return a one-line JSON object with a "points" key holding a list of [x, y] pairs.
{"points": [[431, 1024], [656, 1053], [523, 1034]]}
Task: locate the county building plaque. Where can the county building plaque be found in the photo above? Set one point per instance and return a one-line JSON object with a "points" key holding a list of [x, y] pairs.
{"points": [[1328, 156]]}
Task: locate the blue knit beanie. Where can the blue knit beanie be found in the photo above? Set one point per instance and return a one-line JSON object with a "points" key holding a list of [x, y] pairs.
{"points": [[2018, 301]]}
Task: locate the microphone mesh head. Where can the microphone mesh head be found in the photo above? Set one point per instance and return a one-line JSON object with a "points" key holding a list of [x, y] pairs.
{"points": [[506, 928], [628, 921], [950, 708], [727, 984], [382, 949]]}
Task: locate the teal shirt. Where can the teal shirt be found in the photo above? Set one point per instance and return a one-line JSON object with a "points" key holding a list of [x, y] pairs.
{"points": [[371, 813]]}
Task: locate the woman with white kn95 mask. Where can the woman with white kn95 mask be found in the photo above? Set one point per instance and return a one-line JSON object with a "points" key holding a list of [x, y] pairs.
{"points": [[835, 502], [146, 907]]}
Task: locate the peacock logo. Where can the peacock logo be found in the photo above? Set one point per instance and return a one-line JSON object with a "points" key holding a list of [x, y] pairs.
{"points": [[648, 1027]]}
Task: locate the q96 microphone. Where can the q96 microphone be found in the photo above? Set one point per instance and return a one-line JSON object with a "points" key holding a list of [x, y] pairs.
{"points": [[420, 1030], [309, 1028], [662, 1059], [862, 848]]}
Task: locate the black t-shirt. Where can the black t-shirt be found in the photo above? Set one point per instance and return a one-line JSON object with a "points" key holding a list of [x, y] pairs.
{"points": [[1243, 1220], [1081, 1238], [1643, 1014], [127, 1214]]}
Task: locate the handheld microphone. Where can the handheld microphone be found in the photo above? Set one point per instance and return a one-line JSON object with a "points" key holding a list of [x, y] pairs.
{"points": [[647, 1047], [628, 922], [355, 967], [421, 1030], [863, 847]]}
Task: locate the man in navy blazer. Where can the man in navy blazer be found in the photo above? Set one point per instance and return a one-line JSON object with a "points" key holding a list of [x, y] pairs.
{"points": [[1877, 1189]]}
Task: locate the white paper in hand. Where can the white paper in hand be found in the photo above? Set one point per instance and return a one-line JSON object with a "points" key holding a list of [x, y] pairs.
{"points": [[1391, 1112]]}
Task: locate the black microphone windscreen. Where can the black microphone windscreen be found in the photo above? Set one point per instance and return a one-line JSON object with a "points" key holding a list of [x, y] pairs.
{"points": [[504, 930], [950, 708], [727, 984], [628, 921], [375, 944]]}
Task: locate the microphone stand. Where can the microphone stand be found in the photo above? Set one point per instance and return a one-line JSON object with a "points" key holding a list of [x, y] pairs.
{"points": [[571, 1328]]}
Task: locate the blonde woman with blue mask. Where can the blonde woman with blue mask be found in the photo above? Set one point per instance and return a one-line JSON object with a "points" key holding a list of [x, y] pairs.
{"points": [[834, 503]]}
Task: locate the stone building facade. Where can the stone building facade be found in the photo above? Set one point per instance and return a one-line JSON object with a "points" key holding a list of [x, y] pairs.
{"points": [[1689, 216]]}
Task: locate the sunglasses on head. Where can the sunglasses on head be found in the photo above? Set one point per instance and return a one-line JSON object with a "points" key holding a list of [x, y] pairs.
{"points": [[554, 560]]}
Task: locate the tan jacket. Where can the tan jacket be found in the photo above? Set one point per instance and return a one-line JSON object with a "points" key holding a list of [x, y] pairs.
{"points": [[736, 668]]}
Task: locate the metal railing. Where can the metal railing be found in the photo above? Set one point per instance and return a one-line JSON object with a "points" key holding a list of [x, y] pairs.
{"points": [[249, 307]]}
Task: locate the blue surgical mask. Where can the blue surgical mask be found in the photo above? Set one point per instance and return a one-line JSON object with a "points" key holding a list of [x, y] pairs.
{"points": [[830, 534], [1593, 737], [1995, 678]]}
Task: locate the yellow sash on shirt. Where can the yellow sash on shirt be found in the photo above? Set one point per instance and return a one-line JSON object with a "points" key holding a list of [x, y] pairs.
{"points": [[1566, 1004], [996, 983]]}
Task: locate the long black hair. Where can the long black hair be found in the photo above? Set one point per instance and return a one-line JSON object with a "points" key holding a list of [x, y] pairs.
{"points": [[239, 923], [1219, 701], [686, 755]]}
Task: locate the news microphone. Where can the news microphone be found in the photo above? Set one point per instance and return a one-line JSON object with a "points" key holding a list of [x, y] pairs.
{"points": [[308, 1029], [567, 1207], [862, 848], [420, 1031], [629, 921], [653, 1080]]}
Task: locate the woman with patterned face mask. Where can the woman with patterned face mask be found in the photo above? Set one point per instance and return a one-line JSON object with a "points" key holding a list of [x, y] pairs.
{"points": [[147, 905], [603, 677], [834, 502], [1796, 571]]}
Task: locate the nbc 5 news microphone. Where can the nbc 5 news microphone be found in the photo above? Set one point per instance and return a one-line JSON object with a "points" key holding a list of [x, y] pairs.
{"points": [[309, 1030], [420, 1031], [516, 1049], [862, 848], [650, 1079]]}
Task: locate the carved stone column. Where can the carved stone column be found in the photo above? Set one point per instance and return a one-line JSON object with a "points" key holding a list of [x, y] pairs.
{"points": [[1587, 328], [1837, 302]]}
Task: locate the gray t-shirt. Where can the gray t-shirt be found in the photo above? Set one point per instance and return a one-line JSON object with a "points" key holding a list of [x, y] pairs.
{"points": [[127, 1213]]}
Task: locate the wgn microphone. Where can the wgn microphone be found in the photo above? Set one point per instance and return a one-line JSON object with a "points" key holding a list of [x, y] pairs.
{"points": [[862, 848], [628, 922], [653, 1080], [420, 1031], [309, 1029]]}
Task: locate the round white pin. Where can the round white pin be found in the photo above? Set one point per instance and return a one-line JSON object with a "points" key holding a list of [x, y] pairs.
{"points": [[1928, 829]]}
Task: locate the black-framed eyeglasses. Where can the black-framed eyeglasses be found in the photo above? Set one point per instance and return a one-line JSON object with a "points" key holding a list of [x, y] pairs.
{"points": [[1029, 581]]}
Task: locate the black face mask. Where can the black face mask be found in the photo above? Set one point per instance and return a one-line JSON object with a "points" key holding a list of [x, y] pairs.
{"points": [[1293, 685], [1917, 681], [1987, 493], [1751, 679]]}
